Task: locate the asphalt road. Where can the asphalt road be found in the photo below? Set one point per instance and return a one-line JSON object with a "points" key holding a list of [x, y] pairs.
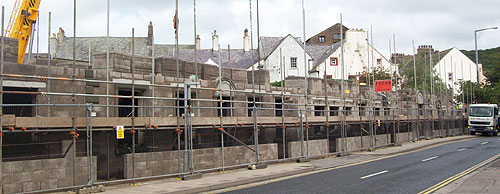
{"points": [[408, 173]]}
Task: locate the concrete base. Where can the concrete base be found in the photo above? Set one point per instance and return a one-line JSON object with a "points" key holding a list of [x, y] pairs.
{"points": [[398, 144], [193, 176], [257, 166], [342, 154], [303, 160]]}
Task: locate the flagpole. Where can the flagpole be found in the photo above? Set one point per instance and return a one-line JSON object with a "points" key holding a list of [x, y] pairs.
{"points": [[195, 37]]}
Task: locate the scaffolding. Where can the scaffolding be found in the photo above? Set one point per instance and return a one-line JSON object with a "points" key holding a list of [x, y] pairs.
{"points": [[224, 126]]}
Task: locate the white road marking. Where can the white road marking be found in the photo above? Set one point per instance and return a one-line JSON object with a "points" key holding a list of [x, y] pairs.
{"points": [[375, 174], [431, 158], [461, 150], [484, 143]]}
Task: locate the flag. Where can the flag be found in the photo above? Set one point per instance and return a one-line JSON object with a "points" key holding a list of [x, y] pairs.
{"points": [[176, 23]]}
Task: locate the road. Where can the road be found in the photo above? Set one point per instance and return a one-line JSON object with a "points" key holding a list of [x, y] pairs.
{"points": [[408, 173]]}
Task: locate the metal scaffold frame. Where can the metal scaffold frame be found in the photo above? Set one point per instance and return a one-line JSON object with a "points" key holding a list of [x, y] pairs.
{"points": [[297, 128]]}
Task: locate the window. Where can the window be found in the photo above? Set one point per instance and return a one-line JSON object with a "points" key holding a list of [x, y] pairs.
{"points": [[334, 61], [250, 104], [348, 111], [450, 77], [319, 111], [321, 39], [334, 111], [278, 107], [293, 62], [379, 61], [336, 36]]}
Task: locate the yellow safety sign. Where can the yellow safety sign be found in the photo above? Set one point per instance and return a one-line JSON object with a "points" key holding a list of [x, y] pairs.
{"points": [[347, 91], [120, 132]]}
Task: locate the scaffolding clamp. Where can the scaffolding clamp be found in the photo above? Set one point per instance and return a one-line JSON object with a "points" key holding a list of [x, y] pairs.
{"points": [[74, 134]]}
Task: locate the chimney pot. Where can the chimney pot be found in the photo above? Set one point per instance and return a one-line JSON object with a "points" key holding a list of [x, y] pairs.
{"points": [[246, 41], [215, 41], [198, 42]]}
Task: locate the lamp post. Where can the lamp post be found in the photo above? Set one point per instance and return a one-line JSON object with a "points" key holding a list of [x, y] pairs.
{"points": [[477, 56]]}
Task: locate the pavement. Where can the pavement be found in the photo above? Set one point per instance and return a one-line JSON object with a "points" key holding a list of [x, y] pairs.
{"points": [[484, 180], [242, 178]]}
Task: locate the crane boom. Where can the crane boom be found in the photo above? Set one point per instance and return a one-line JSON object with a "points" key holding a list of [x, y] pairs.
{"points": [[23, 16]]}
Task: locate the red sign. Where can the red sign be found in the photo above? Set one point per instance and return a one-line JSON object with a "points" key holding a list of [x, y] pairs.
{"points": [[383, 86]]}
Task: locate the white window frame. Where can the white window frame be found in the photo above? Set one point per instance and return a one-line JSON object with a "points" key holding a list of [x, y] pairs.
{"points": [[293, 62]]}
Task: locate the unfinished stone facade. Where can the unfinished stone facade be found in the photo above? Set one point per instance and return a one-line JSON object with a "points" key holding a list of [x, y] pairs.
{"points": [[151, 127]]}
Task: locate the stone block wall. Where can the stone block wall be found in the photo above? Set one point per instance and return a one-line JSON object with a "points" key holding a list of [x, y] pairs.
{"points": [[162, 163], [316, 148], [34, 175]]}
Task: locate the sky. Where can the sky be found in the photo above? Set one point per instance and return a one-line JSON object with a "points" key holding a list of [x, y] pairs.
{"points": [[443, 24]]}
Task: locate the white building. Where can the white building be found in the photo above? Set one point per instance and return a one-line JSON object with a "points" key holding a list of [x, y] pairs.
{"points": [[454, 67], [359, 56], [282, 54]]}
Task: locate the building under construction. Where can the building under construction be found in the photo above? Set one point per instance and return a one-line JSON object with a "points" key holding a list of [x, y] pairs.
{"points": [[62, 118]]}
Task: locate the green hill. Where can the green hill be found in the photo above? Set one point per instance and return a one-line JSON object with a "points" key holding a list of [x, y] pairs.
{"points": [[490, 58]]}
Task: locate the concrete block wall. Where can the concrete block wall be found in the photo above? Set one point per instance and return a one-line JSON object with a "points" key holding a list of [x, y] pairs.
{"points": [[316, 148], [161, 163], [34, 175], [362, 142], [10, 50], [405, 137]]}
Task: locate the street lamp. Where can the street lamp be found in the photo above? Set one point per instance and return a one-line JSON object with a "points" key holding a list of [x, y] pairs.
{"points": [[475, 44]]}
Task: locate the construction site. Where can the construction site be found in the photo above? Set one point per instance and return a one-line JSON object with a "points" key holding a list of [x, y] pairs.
{"points": [[82, 115]]}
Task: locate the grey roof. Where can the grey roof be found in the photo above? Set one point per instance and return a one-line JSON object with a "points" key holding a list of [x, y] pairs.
{"points": [[269, 44], [239, 58], [317, 51], [420, 58], [327, 54]]}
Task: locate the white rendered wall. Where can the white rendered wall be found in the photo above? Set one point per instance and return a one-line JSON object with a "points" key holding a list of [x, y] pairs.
{"points": [[288, 48], [357, 53], [461, 67]]}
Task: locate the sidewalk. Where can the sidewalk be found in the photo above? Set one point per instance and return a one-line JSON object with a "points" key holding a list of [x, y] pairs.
{"points": [[215, 181], [483, 180]]}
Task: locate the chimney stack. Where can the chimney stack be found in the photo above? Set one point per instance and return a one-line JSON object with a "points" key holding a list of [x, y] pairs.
{"points": [[425, 49], [198, 42], [215, 41], [150, 34], [246, 41]]}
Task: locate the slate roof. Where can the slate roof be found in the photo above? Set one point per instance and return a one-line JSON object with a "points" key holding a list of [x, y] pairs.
{"points": [[317, 51], [269, 44], [327, 53], [420, 58], [239, 58]]}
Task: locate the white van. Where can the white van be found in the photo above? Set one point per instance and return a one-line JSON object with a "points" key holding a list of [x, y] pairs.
{"points": [[483, 118]]}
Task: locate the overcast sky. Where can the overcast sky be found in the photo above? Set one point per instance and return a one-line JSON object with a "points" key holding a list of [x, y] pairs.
{"points": [[443, 23]]}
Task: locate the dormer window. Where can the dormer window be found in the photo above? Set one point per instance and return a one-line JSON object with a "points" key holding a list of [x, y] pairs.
{"points": [[336, 36], [321, 39]]}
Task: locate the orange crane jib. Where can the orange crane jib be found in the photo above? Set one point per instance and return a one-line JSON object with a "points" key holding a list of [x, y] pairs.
{"points": [[23, 16]]}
